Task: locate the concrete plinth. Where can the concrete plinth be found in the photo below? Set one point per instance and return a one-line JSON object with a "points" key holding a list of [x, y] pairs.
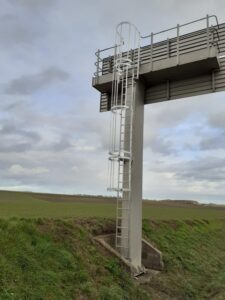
{"points": [[151, 257]]}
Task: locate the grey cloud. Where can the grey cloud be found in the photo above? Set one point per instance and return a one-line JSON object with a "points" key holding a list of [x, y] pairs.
{"points": [[62, 144], [213, 143], [28, 84], [13, 106], [4, 164], [16, 139], [211, 175], [160, 145], [217, 120], [14, 31], [38, 33], [32, 4], [9, 128], [15, 147], [208, 169], [67, 171]]}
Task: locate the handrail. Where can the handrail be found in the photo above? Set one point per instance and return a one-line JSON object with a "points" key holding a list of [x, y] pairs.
{"points": [[209, 29], [102, 50], [182, 25], [177, 28], [99, 60]]}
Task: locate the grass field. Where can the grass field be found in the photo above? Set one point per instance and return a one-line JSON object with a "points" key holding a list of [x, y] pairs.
{"points": [[29, 205], [47, 249], [58, 259]]}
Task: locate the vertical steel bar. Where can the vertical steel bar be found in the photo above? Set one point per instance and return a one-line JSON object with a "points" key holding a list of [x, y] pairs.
{"points": [[178, 44], [207, 33], [213, 82], [98, 62], [138, 58], [168, 90], [168, 47], [152, 35]]}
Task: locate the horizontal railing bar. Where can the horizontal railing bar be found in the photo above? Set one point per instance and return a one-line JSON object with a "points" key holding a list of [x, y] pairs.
{"points": [[157, 51], [109, 48], [182, 25]]}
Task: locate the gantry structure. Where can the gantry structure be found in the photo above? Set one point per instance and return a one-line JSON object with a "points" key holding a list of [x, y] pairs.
{"points": [[139, 70]]}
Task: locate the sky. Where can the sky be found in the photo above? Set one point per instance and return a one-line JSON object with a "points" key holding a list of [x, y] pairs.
{"points": [[53, 137]]}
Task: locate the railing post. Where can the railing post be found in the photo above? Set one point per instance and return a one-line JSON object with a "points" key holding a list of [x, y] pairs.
{"points": [[168, 47], [178, 44], [139, 58], [207, 33], [152, 51], [213, 81], [98, 62]]}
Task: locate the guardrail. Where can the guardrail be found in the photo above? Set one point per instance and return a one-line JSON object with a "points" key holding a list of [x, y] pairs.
{"points": [[166, 48]]}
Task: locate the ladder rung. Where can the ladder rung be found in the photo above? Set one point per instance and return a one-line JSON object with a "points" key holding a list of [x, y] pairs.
{"points": [[118, 190], [123, 208], [122, 237]]}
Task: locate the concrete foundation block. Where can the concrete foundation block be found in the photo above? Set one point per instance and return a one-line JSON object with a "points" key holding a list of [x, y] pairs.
{"points": [[151, 257]]}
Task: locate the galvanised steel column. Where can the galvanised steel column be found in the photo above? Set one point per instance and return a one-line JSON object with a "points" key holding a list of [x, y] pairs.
{"points": [[135, 215]]}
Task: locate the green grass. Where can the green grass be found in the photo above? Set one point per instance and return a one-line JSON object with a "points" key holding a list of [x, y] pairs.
{"points": [[194, 256], [29, 205], [46, 259], [47, 249], [58, 259]]}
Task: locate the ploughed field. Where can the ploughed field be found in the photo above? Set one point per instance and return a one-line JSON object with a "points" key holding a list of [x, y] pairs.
{"points": [[47, 250]]}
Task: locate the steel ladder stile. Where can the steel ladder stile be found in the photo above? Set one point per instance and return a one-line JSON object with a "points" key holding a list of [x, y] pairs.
{"points": [[125, 71]]}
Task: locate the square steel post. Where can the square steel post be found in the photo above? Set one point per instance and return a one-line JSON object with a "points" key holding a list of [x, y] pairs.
{"points": [[135, 219]]}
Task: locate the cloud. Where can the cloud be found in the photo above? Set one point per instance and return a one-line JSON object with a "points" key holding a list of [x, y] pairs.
{"points": [[54, 139], [207, 169], [217, 120], [14, 105], [214, 142], [21, 171], [28, 84], [14, 147], [32, 4], [62, 144], [16, 139], [15, 30], [160, 144]]}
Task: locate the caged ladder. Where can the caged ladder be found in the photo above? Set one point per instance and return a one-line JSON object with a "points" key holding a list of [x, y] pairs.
{"points": [[125, 72]]}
